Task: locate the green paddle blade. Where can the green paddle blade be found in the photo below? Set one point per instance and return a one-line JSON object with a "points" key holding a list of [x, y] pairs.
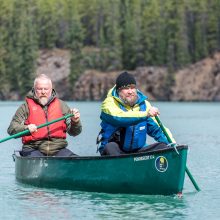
{"points": [[170, 141]]}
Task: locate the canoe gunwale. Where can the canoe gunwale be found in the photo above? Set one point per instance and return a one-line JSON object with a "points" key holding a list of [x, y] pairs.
{"points": [[179, 147]]}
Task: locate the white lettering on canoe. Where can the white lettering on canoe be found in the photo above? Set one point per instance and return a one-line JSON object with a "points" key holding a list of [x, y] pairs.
{"points": [[43, 163], [147, 157]]}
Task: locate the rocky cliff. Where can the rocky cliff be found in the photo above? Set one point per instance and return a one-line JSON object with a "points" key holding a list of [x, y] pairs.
{"points": [[198, 82]]}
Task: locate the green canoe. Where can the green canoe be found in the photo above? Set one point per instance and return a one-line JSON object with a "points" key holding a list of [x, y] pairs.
{"points": [[154, 172]]}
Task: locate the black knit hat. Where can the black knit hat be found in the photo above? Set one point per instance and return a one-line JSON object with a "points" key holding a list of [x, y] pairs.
{"points": [[124, 79]]}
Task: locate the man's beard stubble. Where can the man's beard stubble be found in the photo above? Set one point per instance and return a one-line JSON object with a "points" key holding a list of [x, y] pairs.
{"points": [[131, 101], [43, 100]]}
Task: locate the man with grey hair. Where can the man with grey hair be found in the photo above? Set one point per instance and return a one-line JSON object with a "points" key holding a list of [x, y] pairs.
{"points": [[42, 106]]}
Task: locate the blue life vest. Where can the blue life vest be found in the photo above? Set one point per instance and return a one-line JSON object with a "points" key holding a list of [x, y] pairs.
{"points": [[134, 137]]}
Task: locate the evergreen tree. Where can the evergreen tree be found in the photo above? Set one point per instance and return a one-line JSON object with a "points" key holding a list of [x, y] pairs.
{"points": [[5, 15], [172, 20], [22, 48], [201, 49], [197, 33], [108, 39], [2, 50], [130, 37], [153, 34], [46, 16], [213, 26], [183, 56], [88, 12], [113, 36], [75, 41], [102, 31], [2, 67]]}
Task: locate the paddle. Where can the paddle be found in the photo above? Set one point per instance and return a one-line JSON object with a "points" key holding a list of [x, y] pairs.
{"points": [[25, 132], [169, 139]]}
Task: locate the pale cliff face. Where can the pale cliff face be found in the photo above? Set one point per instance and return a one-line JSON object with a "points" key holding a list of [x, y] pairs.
{"points": [[198, 82]]}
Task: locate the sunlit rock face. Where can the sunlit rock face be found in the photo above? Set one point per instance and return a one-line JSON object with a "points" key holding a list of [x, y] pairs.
{"points": [[197, 82]]}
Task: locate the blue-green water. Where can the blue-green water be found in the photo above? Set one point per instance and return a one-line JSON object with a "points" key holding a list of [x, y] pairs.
{"points": [[195, 124]]}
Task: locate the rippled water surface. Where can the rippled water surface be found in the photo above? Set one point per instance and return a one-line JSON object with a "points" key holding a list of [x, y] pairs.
{"points": [[195, 124]]}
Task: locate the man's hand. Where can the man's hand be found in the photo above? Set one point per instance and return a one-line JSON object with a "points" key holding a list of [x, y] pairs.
{"points": [[76, 115], [153, 112], [32, 128]]}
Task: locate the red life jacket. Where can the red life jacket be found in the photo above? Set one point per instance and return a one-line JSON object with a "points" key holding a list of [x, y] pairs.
{"points": [[38, 116]]}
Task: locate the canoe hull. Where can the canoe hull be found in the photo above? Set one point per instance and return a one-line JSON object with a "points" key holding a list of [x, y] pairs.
{"points": [[157, 172]]}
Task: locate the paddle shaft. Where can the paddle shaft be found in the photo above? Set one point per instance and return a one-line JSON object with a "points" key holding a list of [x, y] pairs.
{"points": [[26, 132], [170, 140]]}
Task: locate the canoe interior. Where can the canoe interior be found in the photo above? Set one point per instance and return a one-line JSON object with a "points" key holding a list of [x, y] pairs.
{"points": [[155, 172]]}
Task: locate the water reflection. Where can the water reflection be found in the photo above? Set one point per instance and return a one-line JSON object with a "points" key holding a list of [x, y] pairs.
{"points": [[138, 206], [43, 204], [64, 204]]}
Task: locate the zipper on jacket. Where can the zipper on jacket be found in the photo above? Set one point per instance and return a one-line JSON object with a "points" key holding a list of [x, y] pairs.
{"points": [[48, 130], [46, 116], [132, 136]]}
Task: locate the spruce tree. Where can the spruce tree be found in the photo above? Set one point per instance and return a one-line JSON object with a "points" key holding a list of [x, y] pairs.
{"points": [[75, 41], [22, 48]]}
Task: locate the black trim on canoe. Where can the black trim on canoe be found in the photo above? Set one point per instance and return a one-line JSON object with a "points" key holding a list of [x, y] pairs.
{"points": [[150, 152]]}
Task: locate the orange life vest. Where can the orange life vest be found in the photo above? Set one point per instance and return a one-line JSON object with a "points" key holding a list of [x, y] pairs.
{"points": [[38, 116]]}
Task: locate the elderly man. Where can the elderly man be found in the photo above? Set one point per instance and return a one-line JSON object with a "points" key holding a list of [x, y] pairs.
{"points": [[126, 120], [42, 106]]}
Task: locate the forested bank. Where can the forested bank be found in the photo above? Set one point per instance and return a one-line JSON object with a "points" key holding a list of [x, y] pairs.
{"points": [[106, 35]]}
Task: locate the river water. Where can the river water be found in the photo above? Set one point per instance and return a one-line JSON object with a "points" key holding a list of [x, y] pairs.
{"points": [[194, 124]]}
